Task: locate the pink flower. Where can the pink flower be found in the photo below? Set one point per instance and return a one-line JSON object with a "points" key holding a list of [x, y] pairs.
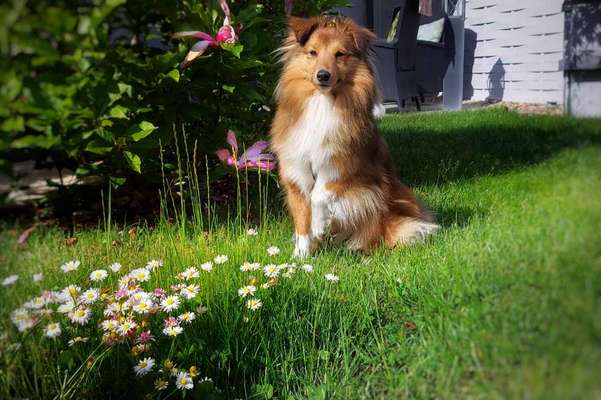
{"points": [[159, 293], [253, 157], [145, 337], [226, 34], [121, 293], [171, 321]]}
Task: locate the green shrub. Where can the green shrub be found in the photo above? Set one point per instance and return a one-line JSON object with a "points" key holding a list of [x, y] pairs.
{"points": [[95, 86]]}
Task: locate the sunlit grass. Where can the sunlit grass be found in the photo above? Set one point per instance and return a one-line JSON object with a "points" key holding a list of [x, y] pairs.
{"points": [[504, 302]]}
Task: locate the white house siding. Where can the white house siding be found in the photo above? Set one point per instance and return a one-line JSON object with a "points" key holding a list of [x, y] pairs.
{"points": [[517, 50]]}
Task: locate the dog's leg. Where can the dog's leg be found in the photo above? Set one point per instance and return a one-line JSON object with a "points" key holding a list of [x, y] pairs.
{"points": [[300, 209], [321, 200]]}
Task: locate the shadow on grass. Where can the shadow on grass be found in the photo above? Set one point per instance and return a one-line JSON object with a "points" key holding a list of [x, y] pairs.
{"points": [[439, 148]]}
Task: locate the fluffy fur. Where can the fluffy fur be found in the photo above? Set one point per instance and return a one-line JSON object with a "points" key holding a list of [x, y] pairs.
{"points": [[334, 165]]}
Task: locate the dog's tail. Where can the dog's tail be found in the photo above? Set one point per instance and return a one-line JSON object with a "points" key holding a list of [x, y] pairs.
{"points": [[408, 221]]}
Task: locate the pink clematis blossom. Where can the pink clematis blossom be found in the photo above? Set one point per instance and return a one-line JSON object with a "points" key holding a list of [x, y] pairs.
{"points": [[226, 34], [251, 158]]}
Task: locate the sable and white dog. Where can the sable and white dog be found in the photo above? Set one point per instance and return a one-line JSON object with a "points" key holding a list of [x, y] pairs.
{"points": [[334, 165]]}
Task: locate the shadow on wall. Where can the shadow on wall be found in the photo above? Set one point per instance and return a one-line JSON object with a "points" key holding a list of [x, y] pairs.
{"points": [[584, 46], [496, 82], [470, 43]]}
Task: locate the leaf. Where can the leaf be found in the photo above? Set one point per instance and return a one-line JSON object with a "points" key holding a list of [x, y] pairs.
{"points": [[134, 161], [98, 147], [124, 88], [119, 112], [140, 131], [228, 88], [15, 124], [174, 74], [235, 49], [117, 181]]}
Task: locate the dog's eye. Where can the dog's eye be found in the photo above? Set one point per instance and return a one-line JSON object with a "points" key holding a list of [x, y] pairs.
{"points": [[340, 54], [313, 53]]}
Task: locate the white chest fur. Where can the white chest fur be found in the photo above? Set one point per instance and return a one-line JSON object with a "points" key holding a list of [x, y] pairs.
{"points": [[306, 152]]}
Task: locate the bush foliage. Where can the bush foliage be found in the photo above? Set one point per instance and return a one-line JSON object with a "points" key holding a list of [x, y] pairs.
{"points": [[95, 86]]}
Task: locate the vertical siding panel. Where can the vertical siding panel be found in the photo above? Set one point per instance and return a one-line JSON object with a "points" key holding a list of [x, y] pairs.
{"points": [[518, 48]]}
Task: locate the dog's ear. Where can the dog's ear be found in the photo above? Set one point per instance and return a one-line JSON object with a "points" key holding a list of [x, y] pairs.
{"points": [[302, 28], [362, 37]]}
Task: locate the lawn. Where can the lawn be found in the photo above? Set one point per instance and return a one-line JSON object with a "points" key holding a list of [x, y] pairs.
{"points": [[505, 302]]}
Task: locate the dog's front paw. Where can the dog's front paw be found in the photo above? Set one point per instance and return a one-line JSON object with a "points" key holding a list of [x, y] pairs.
{"points": [[303, 246], [318, 228]]}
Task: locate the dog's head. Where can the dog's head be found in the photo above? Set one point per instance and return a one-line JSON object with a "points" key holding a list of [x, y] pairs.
{"points": [[328, 50]]}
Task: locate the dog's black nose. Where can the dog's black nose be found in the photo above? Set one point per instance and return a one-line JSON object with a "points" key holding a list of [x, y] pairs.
{"points": [[323, 76]]}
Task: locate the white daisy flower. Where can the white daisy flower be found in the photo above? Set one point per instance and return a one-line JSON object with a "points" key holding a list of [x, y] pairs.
{"points": [[246, 267], [46, 311], [143, 306], [98, 275], [307, 268], [252, 232], [66, 307], [140, 274], [116, 308], [22, 326], [273, 251], [187, 317], [220, 259], [271, 270], [173, 331], [144, 366], [331, 277], [20, 314], [126, 326], [10, 280], [140, 296], [69, 293], [36, 303], [247, 291], [189, 273], [289, 272], [254, 304], [52, 330], [38, 277], [70, 266], [183, 381], [189, 292], [154, 264], [207, 267], [89, 296], [109, 325], [170, 303], [115, 267], [81, 315], [78, 339]]}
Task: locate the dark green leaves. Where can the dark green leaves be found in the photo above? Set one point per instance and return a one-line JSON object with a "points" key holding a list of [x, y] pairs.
{"points": [[134, 161], [141, 130]]}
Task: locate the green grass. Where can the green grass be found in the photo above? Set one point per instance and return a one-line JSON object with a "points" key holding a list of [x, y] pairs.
{"points": [[505, 302]]}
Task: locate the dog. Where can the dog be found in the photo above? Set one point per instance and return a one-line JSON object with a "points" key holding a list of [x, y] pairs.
{"points": [[334, 166]]}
